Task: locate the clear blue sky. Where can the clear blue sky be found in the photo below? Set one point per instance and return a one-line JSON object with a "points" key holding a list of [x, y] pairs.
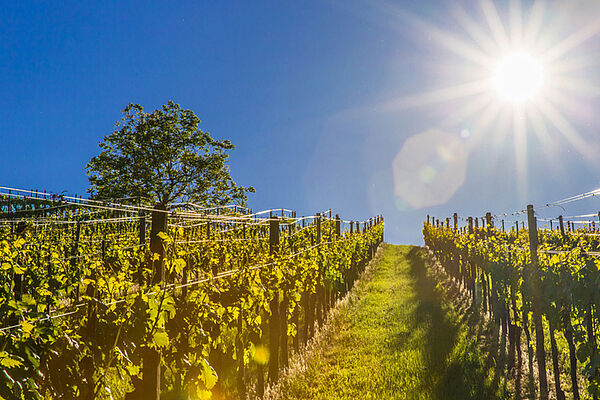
{"points": [[318, 96]]}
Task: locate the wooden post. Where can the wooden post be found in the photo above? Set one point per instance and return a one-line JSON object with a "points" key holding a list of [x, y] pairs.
{"points": [[319, 286], [537, 312], [151, 367], [488, 219], [318, 221], [283, 316], [142, 241], [470, 221], [74, 256], [428, 218], [338, 225], [274, 306], [455, 216], [159, 224], [18, 278], [241, 384], [503, 226], [561, 225]]}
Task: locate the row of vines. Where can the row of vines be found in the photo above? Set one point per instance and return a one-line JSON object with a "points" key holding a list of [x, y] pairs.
{"points": [[166, 304], [538, 283]]}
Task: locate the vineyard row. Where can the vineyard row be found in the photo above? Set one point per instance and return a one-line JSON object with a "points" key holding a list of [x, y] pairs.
{"points": [[202, 305], [542, 283]]}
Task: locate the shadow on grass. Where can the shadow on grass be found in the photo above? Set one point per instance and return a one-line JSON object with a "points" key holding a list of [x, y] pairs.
{"points": [[456, 368]]}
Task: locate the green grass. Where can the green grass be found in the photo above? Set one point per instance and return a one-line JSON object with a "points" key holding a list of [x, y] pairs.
{"points": [[394, 339]]}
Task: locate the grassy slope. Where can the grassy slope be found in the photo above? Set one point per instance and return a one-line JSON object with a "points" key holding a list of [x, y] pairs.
{"points": [[394, 340]]}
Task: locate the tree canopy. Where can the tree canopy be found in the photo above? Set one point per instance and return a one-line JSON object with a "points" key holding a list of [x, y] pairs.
{"points": [[166, 157]]}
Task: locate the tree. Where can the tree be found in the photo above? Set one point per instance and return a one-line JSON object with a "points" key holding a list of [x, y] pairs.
{"points": [[166, 157]]}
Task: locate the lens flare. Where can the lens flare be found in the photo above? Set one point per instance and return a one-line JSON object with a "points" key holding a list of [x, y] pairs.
{"points": [[429, 168]]}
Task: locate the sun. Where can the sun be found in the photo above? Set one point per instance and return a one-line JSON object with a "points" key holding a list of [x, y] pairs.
{"points": [[518, 77], [513, 79]]}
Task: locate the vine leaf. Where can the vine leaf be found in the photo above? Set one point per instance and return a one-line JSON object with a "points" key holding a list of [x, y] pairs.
{"points": [[161, 339], [8, 362], [209, 375]]}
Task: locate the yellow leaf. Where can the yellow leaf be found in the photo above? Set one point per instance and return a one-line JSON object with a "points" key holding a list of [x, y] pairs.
{"points": [[7, 362], [42, 291], [209, 376], [133, 370], [26, 327], [161, 339]]}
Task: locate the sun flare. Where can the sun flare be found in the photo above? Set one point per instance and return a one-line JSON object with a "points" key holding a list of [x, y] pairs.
{"points": [[514, 79], [518, 77]]}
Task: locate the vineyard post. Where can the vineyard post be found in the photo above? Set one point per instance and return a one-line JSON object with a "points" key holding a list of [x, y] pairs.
{"points": [[476, 223], [18, 278], [274, 322], [159, 224], [503, 226], [537, 312], [338, 233], [241, 380], [103, 248], [151, 367], [561, 225], [455, 216], [488, 220], [517, 226], [284, 312], [470, 222], [75, 255], [142, 241], [319, 288], [447, 223], [428, 218]]}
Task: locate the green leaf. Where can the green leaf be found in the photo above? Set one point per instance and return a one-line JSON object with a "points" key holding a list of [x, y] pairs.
{"points": [[26, 327], [164, 236], [208, 375], [8, 362], [133, 370], [161, 339]]}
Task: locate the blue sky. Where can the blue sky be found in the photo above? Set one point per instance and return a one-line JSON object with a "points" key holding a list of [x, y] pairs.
{"points": [[318, 97]]}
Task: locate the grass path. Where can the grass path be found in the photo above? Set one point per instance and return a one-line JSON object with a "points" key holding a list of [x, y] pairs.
{"points": [[393, 339]]}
